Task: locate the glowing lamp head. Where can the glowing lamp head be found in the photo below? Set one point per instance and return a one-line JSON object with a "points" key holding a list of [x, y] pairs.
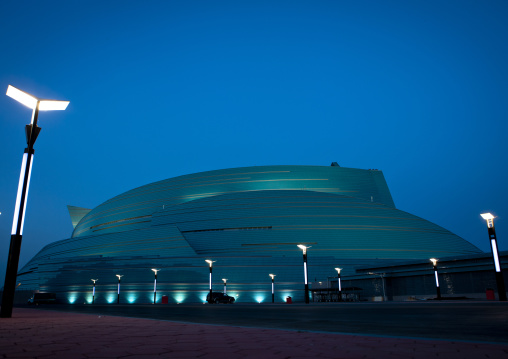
{"points": [[119, 276], [94, 280], [155, 270], [272, 275], [338, 270], [434, 261], [224, 280], [487, 216], [303, 248], [32, 101], [209, 261]]}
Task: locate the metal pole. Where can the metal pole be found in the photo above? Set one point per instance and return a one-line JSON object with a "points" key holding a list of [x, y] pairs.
{"points": [[340, 287], [384, 291], [31, 132], [273, 290], [93, 290], [501, 290], [438, 289], [211, 300], [118, 298], [305, 274], [155, 289]]}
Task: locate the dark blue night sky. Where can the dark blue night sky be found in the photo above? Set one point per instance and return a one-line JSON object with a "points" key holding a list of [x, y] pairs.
{"points": [[157, 89]]}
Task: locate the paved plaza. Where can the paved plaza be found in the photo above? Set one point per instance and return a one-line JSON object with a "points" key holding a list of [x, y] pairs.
{"points": [[37, 333]]}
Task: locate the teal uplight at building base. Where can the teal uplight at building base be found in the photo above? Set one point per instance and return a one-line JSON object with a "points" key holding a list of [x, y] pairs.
{"points": [[495, 255], [31, 132]]}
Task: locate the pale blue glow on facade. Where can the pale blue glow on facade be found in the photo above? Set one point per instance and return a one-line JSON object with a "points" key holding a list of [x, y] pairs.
{"points": [[249, 220]]}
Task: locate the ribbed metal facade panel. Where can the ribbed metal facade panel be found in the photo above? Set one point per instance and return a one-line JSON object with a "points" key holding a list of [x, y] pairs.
{"points": [[114, 215]]}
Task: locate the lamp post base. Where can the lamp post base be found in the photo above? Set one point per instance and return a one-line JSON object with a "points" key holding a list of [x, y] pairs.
{"points": [[10, 276]]}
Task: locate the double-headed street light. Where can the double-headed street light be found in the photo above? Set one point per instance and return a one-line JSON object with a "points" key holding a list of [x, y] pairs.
{"points": [[438, 290], [501, 290], [339, 284], [210, 263], [93, 290], [273, 287], [304, 249], [31, 132], [118, 298], [155, 285]]}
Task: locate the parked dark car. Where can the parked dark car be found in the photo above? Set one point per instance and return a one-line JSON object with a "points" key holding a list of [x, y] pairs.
{"points": [[42, 298], [219, 297]]}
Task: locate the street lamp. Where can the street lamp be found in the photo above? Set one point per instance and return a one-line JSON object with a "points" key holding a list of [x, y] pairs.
{"points": [[339, 284], [304, 249], [497, 264], [225, 289], [438, 290], [382, 275], [93, 290], [155, 285], [118, 298], [31, 132], [210, 263], [273, 287]]}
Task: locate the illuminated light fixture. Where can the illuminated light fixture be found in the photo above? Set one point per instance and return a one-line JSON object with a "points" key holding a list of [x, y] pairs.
{"points": [[382, 276], [32, 101], [438, 290], [501, 290], [155, 285], [339, 283], [118, 296], [210, 263], [225, 285], [304, 249], [31, 132], [273, 287], [93, 290]]}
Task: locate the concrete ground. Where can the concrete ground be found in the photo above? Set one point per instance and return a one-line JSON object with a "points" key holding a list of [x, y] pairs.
{"points": [[36, 333]]}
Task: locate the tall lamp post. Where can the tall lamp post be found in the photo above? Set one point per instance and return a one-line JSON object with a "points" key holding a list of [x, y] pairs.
{"points": [[31, 132], [304, 249], [155, 285], [273, 287], [501, 290], [93, 290], [438, 290], [210, 263], [118, 298], [225, 288], [339, 284], [382, 276]]}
